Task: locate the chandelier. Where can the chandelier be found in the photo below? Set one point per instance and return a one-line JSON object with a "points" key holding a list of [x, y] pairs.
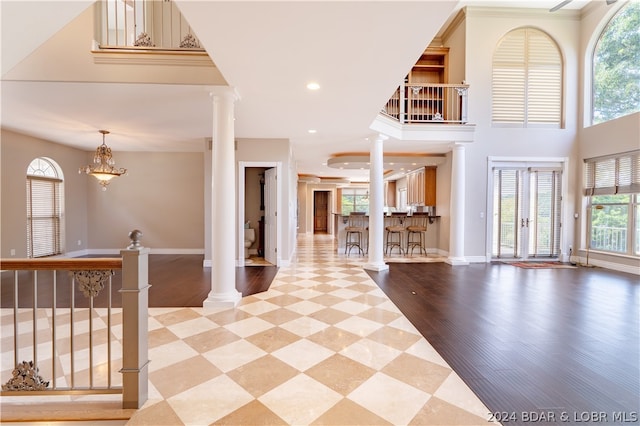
{"points": [[103, 168]]}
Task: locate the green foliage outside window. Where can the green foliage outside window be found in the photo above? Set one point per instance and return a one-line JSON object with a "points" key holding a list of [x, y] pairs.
{"points": [[355, 200], [616, 72], [610, 222]]}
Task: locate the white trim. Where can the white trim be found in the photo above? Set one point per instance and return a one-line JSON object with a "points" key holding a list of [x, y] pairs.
{"points": [[242, 165], [117, 251], [631, 269], [562, 162]]}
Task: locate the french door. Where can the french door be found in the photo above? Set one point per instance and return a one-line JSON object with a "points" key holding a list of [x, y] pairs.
{"points": [[526, 212]]}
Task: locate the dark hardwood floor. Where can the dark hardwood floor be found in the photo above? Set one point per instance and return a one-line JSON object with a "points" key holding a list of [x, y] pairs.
{"points": [[176, 280], [559, 341], [527, 341]]}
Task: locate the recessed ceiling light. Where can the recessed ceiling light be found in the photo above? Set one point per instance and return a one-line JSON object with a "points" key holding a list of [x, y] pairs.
{"points": [[392, 164], [414, 164], [346, 164], [312, 130], [313, 86]]}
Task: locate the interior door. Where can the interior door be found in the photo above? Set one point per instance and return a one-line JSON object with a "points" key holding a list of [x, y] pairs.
{"points": [[270, 216], [526, 213], [320, 211]]}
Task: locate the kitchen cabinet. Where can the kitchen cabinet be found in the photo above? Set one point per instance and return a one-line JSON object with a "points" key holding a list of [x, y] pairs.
{"points": [[421, 187]]}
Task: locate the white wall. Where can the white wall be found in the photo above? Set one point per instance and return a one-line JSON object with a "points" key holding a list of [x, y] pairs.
{"points": [[484, 29], [161, 195]]}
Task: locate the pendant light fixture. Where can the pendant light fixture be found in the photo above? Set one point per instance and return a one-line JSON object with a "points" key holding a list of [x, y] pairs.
{"points": [[103, 168]]}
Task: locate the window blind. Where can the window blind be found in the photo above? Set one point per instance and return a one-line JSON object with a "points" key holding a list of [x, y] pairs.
{"points": [[44, 216], [615, 174], [527, 79]]}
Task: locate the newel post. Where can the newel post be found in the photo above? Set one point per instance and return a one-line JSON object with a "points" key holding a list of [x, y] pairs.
{"points": [[135, 325]]}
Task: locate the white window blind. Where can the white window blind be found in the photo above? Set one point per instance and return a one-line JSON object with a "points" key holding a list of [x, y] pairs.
{"points": [[44, 216], [527, 79], [546, 211], [615, 174]]}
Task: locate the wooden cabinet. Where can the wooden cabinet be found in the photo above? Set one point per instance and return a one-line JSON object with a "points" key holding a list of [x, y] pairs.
{"points": [[425, 99], [389, 193], [421, 187]]}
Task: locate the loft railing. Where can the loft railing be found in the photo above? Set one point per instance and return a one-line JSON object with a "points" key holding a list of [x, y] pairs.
{"points": [[428, 103], [67, 344], [144, 24]]}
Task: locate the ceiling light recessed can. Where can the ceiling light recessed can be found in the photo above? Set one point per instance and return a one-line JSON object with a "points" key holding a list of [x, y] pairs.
{"points": [[312, 130], [313, 85]]}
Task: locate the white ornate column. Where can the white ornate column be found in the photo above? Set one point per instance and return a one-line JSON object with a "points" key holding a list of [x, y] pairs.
{"points": [[223, 204], [376, 206], [456, 232]]}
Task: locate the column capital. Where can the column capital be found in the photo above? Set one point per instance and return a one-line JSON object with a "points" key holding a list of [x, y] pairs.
{"points": [[227, 92]]}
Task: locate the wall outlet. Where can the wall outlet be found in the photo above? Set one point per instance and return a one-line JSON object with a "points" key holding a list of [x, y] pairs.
{"points": [[79, 242], [13, 252]]}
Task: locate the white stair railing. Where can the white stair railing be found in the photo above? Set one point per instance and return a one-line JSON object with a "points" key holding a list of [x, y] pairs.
{"points": [[428, 103]]}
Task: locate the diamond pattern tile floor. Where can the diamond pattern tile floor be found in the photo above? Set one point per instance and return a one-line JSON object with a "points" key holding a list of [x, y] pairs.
{"points": [[324, 345]]}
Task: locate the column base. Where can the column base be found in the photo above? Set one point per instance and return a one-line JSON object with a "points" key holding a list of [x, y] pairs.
{"points": [[375, 266], [223, 300], [457, 261]]}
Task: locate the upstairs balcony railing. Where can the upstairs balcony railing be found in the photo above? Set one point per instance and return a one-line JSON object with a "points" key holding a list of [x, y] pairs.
{"points": [[428, 103], [144, 24]]}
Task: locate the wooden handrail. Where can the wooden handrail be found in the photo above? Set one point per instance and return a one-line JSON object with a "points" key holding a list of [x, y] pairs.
{"points": [[46, 264]]}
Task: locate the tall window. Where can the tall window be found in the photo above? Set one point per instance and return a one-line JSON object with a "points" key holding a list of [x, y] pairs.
{"points": [[355, 200], [44, 209], [527, 80], [616, 66], [612, 184]]}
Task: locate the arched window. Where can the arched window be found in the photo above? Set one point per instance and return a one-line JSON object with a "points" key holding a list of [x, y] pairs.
{"points": [[616, 66], [45, 208], [527, 80]]}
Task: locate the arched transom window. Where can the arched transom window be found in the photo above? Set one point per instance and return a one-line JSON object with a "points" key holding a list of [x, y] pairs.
{"points": [[45, 207], [527, 80], [616, 66]]}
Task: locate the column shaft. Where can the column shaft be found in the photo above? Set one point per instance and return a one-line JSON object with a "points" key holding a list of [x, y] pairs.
{"points": [[456, 239], [376, 206], [223, 209]]}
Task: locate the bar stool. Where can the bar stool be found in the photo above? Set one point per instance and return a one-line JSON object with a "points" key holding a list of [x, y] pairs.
{"points": [[355, 228], [395, 229], [417, 225]]}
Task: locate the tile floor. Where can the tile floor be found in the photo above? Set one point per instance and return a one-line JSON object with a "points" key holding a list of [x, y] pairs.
{"points": [[323, 346]]}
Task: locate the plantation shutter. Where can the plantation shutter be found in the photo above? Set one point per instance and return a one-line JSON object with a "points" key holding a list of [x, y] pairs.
{"points": [[546, 212], [544, 86], [615, 174], [44, 214], [509, 79], [527, 80]]}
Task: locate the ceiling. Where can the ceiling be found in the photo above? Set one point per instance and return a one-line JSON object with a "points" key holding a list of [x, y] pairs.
{"points": [[357, 52]]}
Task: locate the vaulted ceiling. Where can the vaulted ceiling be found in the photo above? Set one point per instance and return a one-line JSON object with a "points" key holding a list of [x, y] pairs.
{"points": [[358, 52]]}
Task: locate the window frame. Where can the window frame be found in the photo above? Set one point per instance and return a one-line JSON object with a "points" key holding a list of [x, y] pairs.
{"points": [[43, 179], [352, 193], [596, 45], [613, 175], [525, 66]]}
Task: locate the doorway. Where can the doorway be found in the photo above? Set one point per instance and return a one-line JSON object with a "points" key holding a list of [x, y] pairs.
{"points": [[527, 205], [321, 212], [259, 195]]}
